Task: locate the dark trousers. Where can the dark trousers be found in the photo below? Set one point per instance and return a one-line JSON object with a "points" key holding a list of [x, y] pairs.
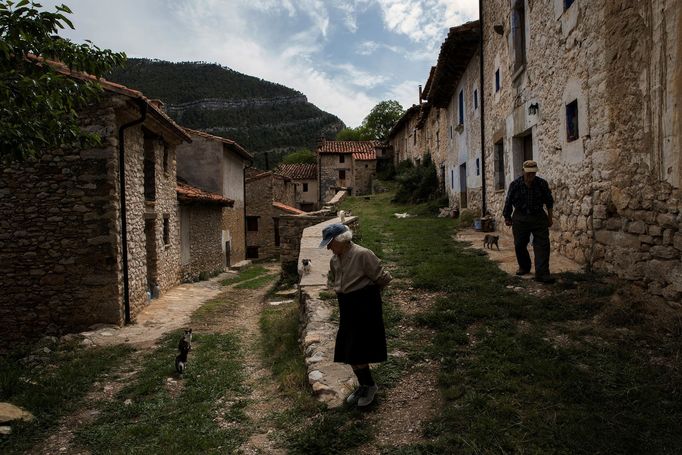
{"points": [[522, 227]]}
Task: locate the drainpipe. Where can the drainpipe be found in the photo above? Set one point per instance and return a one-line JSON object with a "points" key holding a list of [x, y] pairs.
{"points": [[124, 223], [484, 207]]}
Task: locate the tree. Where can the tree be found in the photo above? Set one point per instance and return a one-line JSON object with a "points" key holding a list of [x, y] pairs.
{"points": [[38, 105], [381, 119], [304, 156], [354, 134]]}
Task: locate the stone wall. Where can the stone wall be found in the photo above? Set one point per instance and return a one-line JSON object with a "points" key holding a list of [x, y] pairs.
{"points": [[205, 238], [616, 185], [364, 173], [283, 191], [304, 198], [58, 237], [290, 229], [329, 174], [259, 204]]}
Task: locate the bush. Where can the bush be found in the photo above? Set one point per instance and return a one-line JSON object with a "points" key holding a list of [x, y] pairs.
{"points": [[417, 184]]}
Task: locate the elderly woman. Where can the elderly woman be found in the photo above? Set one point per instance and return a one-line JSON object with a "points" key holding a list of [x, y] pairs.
{"points": [[358, 278]]}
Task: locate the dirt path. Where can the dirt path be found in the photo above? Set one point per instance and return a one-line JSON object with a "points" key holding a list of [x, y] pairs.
{"points": [[242, 318]]}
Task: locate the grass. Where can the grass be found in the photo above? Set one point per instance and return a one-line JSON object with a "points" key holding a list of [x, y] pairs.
{"points": [[247, 273], [156, 420], [50, 385], [257, 283], [542, 377]]}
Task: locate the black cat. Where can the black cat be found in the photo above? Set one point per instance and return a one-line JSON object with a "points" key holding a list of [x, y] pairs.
{"points": [[184, 346]]}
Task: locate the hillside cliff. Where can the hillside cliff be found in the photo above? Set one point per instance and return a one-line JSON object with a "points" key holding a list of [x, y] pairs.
{"points": [[262, 116]]}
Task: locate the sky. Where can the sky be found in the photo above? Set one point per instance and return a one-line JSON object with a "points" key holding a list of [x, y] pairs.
{"points": [[344, 55]]}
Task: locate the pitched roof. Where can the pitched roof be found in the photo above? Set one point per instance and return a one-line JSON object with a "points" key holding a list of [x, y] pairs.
{"points": [[264, 174], [460, 46], [347, 146], [287, 208], [113, 87], [299, 171], [365, 156], [238, 149], [411, 112], [190, 194]]}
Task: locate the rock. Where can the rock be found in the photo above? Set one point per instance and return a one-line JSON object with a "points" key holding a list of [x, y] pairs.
{"points": [[128, 402], [315, 376], [9, 413], [5, 430]]}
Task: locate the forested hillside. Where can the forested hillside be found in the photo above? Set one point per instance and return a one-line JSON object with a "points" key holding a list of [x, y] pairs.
{"points": [[261, 116]]}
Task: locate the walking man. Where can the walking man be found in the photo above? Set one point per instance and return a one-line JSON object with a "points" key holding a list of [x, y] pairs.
{"points": [[526, 197]]}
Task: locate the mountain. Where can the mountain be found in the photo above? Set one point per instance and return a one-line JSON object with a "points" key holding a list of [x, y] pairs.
{"points": [[261, 116]]}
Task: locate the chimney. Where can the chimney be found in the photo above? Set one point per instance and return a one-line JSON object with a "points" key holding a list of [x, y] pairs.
{"points": [[420, 94]]}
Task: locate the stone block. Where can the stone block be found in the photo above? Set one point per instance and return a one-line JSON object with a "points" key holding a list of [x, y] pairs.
{"points": [[677, 241], [668, 237], [654, 230], [666, 220], [664, 252], [614, 224], [637, 227], [620, 239], [599, 212]]}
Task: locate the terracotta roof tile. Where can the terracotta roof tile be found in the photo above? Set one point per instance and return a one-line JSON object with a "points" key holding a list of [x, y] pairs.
{"points": [[299, 171], [368, 156], [236, 147], [348, 146], [264, 174], [287, 208], [190, 194]]}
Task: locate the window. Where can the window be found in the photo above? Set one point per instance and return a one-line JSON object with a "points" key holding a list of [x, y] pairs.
{"points": [[497, 80], [166, 229], [342, 158], [572, 132], [251, 252], [305, 187], [499, 166], [342, 174], [567, 4], [452, 179], [461, 107], [252, 223], [518, 29], [478, 166], [276, 223], [149, 170], [475, 98]]}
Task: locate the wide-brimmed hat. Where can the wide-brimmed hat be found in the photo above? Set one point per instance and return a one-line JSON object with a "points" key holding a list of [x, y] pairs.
{"points": [[332, 231], [530, 166]]}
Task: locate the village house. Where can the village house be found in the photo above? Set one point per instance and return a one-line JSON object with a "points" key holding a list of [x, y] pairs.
{"points": [[217, 165], [592, 91], [89, 236], [348, 165], [201, 232], [269, 195], [306, 188]]}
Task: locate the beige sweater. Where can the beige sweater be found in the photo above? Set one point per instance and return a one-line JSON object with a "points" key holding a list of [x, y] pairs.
{"points": [[356, 268]]}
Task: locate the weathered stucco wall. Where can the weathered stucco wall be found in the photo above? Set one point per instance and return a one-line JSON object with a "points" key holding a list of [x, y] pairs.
{"points": [[364, 173], [233, 217], [330, 165]]}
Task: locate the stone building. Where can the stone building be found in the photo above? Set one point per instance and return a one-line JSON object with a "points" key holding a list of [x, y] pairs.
{"points": [[201, 228], [217, 165], [87, 234], [446, 123], [306, 188], [349, 165], [268, 196], [592, 90]]}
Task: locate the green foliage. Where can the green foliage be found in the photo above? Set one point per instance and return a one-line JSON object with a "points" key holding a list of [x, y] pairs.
{"points": [[354, 134], [247, 273], [381, 119], [40, 106], [304, 156], [259, 115], [417, 184]]}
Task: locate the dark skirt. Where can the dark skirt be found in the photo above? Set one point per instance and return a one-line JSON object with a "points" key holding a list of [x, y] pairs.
{"points": [[361, 337]]}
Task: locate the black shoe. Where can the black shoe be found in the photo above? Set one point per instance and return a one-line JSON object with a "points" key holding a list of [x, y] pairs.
{"points": [[546, 279], [520, 272]]}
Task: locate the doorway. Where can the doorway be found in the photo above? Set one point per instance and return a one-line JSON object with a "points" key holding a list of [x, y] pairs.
{"points": [[150, 246], [522, 150], [463, 186]]}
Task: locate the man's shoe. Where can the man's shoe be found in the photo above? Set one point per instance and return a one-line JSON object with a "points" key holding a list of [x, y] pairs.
{"points": [[367, 398], [520, 272], [546, 279], [357, 393]]}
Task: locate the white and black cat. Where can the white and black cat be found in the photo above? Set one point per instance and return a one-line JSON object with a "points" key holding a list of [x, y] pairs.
{"points": [[184, 346]]}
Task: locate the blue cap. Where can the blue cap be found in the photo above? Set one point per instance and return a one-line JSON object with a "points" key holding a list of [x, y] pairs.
{"points": [[330, 232]]}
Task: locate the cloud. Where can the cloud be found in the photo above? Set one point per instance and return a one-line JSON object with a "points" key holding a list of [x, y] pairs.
{"points": [[406, 93], [425, 20]]}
